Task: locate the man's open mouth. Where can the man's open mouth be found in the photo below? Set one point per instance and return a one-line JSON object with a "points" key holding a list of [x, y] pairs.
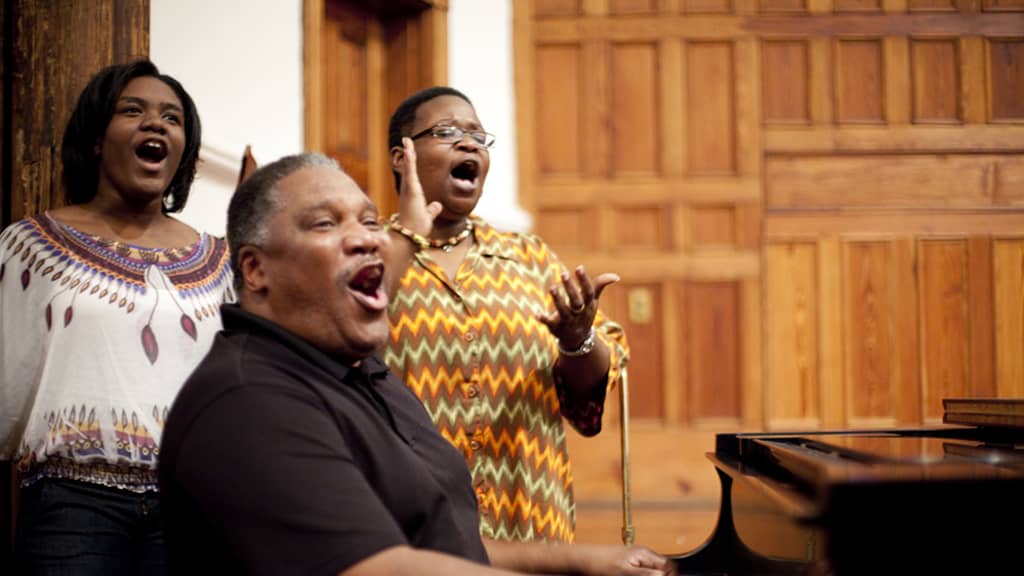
{"points": [[367, 286]]}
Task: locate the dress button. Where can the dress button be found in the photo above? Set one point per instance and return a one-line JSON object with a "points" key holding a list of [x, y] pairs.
{"points": [[469, 336], [474, 445], [472, 391]]}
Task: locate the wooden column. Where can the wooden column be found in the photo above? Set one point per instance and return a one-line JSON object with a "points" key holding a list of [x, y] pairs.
{"points": [[51, 49]]}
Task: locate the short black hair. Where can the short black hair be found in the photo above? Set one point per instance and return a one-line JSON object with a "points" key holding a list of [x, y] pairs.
{"points": [[256, 200], [88, 124], [404, 116]]}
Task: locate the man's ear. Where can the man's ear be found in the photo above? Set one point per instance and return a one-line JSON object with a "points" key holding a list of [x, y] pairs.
{"points": [[397, 155], [250, 264]]}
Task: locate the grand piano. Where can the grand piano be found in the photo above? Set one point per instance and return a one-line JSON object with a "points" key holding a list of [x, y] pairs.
{"points": [[947, 499]]}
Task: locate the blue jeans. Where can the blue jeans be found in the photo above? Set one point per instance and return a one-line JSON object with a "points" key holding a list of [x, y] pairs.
{"points": [[67, 528]]}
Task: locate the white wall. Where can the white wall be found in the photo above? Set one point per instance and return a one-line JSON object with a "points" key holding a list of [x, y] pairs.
{"points": [[480, 65], [241, 60]]}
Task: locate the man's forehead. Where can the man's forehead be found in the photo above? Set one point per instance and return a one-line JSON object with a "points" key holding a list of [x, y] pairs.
{"points": [[322, 182]]}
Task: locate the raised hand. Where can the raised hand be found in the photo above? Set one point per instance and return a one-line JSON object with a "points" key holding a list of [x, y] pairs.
{"points": [[413, 210], [575, 303]]}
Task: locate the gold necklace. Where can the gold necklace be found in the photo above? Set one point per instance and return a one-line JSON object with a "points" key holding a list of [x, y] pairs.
{"points": [[448, 243], [445, 244]]}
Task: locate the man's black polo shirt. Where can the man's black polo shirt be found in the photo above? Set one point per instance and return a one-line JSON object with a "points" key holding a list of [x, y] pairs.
{"points": [[278, 459]]}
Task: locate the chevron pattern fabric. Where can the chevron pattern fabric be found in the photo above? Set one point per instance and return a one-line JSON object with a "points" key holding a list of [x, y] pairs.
{"points": [[475, 353]]}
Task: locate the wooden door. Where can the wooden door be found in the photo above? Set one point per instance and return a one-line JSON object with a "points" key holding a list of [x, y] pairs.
{"points": [[815, 206], [361, 60]]}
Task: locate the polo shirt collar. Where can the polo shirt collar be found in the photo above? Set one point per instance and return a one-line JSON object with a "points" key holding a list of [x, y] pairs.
{"points": [[237, 319]]}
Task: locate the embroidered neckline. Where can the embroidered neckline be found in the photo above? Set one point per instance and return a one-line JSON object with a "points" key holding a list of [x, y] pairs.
{"points": [[127, 251]]}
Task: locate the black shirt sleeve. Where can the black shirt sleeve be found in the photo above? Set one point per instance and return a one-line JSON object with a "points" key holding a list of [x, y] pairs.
{"points": [[278, 480]]}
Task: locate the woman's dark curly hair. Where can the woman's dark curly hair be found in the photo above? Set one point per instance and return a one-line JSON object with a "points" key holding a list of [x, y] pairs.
{"points": [[404, 116], [88, 124]]}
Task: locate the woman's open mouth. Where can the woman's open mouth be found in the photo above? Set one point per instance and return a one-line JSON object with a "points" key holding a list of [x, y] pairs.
{"points": [[465, 175], [152, 152]]}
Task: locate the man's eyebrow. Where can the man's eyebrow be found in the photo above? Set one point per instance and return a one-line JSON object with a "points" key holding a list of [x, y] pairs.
{"points": [[328, 204], [321, 205]]}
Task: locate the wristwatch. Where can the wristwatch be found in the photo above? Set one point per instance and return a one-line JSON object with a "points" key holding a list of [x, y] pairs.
{"points": [[585, 347]]}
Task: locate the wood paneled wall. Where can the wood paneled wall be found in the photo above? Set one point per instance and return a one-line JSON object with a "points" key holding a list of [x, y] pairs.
{"points": [[816, 206]]}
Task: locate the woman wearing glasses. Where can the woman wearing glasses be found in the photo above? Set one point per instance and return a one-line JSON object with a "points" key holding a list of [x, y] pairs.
{"points": [[491, 331]]}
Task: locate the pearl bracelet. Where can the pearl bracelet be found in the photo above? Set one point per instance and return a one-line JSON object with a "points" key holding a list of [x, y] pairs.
{"points": [[585, 347]]}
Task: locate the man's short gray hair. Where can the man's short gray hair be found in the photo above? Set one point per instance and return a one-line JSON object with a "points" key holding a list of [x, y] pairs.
{"points": [[256, 200]]}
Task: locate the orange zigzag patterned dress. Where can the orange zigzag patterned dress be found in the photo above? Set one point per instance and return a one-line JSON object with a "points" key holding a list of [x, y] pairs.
{"points": [[475, 353]]}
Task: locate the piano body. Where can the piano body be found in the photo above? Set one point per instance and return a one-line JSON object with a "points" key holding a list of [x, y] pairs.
{"points": [[941, 500]]}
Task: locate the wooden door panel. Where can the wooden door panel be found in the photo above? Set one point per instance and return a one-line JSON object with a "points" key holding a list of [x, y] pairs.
{"points": [[711, 320], [710, 113], [908, 181], [348, 40], [639, 308], [858, 81], [980, 314], [1008, 285], [936, 85], [870, 342], [558, 104], [569, 228], [791, 334], [643, 227], [1006, 70], [943, 329], [635, 139], [786, 90]]}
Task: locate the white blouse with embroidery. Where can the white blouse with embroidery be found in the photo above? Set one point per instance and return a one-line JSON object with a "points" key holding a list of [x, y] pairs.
{"points": [[98, 337]]}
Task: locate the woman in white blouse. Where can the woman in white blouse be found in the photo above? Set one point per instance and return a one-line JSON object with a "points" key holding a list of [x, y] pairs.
{"points": [[106, 305]]}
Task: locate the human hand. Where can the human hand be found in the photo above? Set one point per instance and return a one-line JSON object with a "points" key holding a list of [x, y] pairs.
{"points": [[413, 210], [624, 561], [575, 306]]}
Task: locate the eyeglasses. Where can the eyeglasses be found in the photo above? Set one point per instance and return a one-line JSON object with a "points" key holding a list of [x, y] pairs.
{"points": [[452, 134]]}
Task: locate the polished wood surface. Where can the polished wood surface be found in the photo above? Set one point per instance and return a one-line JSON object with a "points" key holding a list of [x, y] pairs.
{"points": [[918, 500]]}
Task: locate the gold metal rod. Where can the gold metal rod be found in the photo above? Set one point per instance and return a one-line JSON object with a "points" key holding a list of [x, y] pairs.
{"points": [[627, 511]]}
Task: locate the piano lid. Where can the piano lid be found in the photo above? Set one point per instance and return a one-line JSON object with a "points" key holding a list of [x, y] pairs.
{"points": [[915, 501], [812, 463]]}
